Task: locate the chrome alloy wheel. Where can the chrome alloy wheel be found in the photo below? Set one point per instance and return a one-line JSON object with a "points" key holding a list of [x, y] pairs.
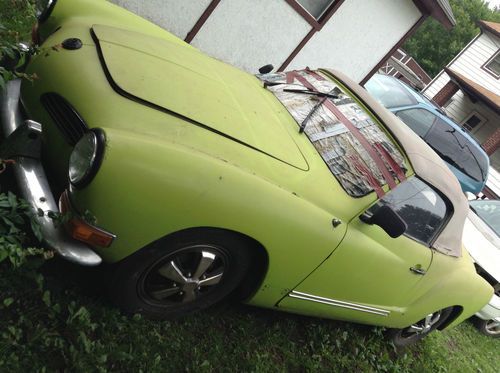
{"points": [[184, 276], [424, 326], [402, 338], [492, 327]]}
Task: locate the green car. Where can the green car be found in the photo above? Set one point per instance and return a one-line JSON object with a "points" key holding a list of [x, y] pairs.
{"points": [[195, 181]]}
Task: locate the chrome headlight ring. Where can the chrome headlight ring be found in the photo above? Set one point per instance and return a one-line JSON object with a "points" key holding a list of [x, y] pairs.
{"points": [[43, 9], [86, 158]]}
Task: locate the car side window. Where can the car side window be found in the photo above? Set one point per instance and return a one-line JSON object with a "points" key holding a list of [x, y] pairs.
{"points": [[457, 150], [421, 207], [419, 120]]}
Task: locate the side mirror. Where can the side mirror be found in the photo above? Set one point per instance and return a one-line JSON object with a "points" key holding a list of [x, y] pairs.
{"points": [[387, 219], [266, 69]]}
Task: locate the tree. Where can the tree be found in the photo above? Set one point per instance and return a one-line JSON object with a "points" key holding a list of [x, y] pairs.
{"points": [[433, 46]]}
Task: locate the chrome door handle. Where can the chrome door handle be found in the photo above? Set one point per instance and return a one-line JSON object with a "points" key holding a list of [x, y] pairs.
{"points": [[418, 270]]}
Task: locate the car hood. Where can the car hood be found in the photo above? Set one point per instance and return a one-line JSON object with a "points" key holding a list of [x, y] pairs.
{"points": [[482, 244], [182, 81]]}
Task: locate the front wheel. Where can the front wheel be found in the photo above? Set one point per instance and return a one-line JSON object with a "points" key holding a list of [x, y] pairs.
{"points": [[490, 328], [415, 332], [187, 272]]}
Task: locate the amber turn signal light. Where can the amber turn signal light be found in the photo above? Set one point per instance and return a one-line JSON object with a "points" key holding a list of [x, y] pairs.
{"points": [[80, 230]]}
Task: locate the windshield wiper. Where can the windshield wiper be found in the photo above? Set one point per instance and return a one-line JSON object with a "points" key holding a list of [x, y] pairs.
{"points": [[313, 93], [324, 97], [309, 116]]}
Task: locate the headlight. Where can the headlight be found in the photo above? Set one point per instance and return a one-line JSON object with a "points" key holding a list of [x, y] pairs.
{"points": [[43, 9], [86, 158]]}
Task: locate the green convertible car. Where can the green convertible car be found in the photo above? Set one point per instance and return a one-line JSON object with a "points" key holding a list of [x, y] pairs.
{"points": [[196, 181]]}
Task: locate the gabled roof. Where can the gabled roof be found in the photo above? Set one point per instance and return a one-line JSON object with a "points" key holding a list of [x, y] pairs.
{"points": [[491, 99], [439, 10], [492, 27]]}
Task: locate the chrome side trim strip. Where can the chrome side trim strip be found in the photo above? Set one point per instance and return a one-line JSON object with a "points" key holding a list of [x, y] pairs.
{"points": [[339, 303]]}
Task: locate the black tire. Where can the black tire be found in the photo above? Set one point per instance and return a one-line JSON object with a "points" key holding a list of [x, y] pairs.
{"points": [[408, 336], [491, 328], [186, 272]]}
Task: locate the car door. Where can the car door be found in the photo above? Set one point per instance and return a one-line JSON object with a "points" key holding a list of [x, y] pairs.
{"points": [[371, 274]]}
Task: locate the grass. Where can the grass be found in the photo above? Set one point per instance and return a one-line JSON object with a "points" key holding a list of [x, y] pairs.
{"points": [[65, 323], [56, 318]]}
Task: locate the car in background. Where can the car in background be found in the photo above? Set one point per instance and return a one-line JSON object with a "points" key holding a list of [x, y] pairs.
{"points": [[463, 155], [482, 241]]}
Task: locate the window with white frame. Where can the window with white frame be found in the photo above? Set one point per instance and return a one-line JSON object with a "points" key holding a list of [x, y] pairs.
{"points": [[473, 122], [315, 12], [493, 65], [316, 8]]}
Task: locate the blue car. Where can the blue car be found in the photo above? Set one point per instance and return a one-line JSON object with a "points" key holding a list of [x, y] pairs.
{"points": [[463, 155]]}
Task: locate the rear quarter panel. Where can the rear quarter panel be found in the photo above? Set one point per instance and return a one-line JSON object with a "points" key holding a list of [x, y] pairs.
{"points": [[449, 282]]}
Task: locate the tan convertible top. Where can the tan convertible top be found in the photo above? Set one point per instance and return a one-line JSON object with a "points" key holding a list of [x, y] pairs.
{"points": [[426, 164]]}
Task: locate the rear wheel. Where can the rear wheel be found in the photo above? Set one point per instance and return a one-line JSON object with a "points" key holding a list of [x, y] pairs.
{"points": [[490, 328], [415, 332], [187, 272]]}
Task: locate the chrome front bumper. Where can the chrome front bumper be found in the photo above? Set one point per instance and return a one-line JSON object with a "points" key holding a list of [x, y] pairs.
{"points": [[22, 143]]}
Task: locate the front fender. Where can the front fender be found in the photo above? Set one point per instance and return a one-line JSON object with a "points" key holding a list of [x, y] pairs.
{"points": [[148, 188]]}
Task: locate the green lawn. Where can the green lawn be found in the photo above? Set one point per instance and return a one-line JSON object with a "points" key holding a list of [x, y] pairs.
{"points": [[56, 318], [65, 323]]}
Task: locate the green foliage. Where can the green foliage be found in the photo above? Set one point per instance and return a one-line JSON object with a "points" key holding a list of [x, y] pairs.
{"points": [[433, 46], [56, 327], [15, 221], [16, 18]]}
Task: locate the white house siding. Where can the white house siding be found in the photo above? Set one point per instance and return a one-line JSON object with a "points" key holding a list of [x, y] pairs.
{"points": [[436, 85], [250, 34], [253, 33], [358, 36], [469, 65], [460, 108], [176, 16]]}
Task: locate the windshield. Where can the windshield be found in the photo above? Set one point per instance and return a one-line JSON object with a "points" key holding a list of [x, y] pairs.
{"points": [[489, 212], [352, 144], [389, 92]]}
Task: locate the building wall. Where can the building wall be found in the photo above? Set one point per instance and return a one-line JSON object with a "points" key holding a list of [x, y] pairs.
{"points": [[250, 34], [460, 107], [176, 16], [358, 36], [469, 65]]}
